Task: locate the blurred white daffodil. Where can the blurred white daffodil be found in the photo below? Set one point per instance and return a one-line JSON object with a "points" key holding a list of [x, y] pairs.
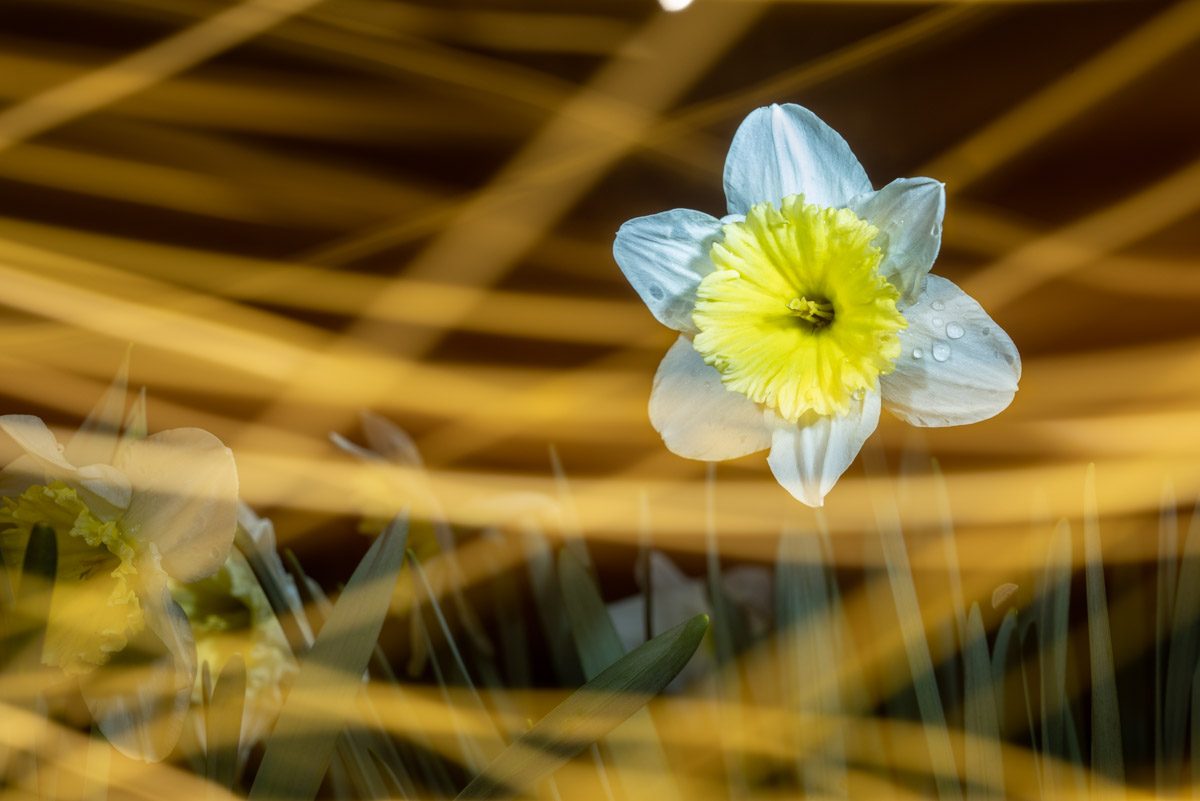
{"points": [[808, 308], [128, 512], [230, 614]]}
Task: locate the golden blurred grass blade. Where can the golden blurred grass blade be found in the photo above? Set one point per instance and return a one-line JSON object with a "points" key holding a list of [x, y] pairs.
{"points": [[136, 72]]}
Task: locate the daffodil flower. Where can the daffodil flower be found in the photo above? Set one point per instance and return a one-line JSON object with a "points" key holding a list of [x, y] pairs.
{"points": [[808, 309], [128, 512], [230, 614]]}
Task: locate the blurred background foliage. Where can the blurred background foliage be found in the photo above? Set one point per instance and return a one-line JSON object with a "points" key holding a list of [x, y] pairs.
{"points": [[300, 209]]}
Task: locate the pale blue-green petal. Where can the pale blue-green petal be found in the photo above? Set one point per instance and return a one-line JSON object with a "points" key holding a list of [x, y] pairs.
{"points": [[908, 213], [787, 150], [957, 366], [697, 416], [808, 458], [664, 256]]}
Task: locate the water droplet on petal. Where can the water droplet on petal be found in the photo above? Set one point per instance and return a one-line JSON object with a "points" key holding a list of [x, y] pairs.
{"points": [[918, 353], [1008, 358], [656, 292], [954, 331], [857, 394], [941, 351], [937, 322], [938, 305]]}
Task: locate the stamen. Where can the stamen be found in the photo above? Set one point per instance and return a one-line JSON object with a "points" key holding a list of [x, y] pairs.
{"points": [[817, 312]]}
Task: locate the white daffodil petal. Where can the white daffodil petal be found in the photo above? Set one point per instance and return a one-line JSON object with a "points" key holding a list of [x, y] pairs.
{"points": [[807, 459], [139, 698], [908, 213], [184, 499], [957, 366], [787, 150], [697, 416], [664, 256], [104, 489]]}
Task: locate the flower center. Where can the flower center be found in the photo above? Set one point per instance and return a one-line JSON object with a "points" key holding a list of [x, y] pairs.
{"points": [[796, 316], [817, 312], [229, 614], [93, 608]]}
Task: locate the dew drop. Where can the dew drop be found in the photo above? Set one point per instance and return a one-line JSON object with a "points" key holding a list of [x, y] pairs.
{"points": [[918, 353], [1008, 358], [954, 331], [941, 351], [857, 394], [656, 292], [938, 305], [937, 322]]}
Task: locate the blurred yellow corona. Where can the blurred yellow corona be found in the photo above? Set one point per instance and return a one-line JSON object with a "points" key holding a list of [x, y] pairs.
{"points": [[94, 580], [796, 316]]}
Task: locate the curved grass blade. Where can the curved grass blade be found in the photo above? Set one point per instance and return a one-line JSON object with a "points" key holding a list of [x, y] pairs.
{"points": [[950, 547], [298, 751], [984, 769], [809, 671], [223, 726], [590, 713], [727, 689], [1107, 757], [595, 636], [1168, 577], [483, 742], [547, 599], [1005, 638], [638, 758], [916, 646], [1181, 657], [1052, 653], [398, 786], [24, 626]]}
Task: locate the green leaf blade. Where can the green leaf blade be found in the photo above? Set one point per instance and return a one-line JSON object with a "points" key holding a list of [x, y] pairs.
{"points": [[299, 750], [591, 712]]}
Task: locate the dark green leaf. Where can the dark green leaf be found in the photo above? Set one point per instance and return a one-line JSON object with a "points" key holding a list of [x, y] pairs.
{"points": [[590, 713], [322, 698]]}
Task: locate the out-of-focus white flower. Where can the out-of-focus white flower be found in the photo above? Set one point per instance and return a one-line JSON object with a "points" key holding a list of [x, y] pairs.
{"points": [[129, 512], [809, 308], [230, 614]]}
